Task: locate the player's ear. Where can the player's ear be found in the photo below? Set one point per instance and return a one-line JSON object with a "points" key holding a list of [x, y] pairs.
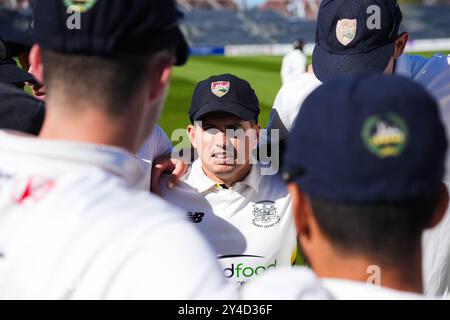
{"points": [[303, 217], [442, 207], [160, 71], [400, 44], [36, 67], [300, 209], [257, 128], [191, 134]]}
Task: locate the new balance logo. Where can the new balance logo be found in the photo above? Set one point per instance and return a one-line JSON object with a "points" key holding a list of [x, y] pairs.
{"points": [[196, 217]]}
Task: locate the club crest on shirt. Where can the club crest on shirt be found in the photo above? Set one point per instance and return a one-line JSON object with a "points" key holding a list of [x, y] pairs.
{"points": [[346, 31], [220, 88], [265, 214]]}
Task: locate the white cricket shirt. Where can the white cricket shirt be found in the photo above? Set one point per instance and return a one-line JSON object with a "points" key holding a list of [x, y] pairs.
{"points": [[250, 226], [300, 283], [74, 225], [157, 144], [296, 283]]}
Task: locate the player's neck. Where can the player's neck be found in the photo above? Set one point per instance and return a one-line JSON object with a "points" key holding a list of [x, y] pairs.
{"points": [[229, 180], [404, 274], [89, 125]]}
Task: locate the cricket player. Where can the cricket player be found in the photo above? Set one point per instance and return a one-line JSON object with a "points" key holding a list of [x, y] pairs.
{"points": [[350, 41], [74, 223], [363, 199], [294, 63], [244, 214], [21, 112]]}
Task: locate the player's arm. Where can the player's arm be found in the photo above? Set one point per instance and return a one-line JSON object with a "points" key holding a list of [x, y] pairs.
{"points": [[158, 150]]}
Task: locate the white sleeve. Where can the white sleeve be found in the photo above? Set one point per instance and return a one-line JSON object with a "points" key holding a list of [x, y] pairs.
{"points": [[289, 101], [304, 63], [285, 70], [278, 119], [157, 144]]}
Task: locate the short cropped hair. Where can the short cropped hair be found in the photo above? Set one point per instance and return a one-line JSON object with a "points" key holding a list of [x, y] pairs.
{"points": [[113, 80], [389, 231]]}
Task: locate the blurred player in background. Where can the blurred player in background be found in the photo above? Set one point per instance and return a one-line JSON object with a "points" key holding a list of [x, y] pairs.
{"points": [[73, 221], [294, 63], [244, 214], [365, 172]]}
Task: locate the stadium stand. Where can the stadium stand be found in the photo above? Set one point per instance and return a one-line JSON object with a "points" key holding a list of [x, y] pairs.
{"points": [[219, 27]]}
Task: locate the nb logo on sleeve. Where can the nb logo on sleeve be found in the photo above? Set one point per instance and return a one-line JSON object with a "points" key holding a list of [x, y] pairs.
{"points": [[196, 217]]}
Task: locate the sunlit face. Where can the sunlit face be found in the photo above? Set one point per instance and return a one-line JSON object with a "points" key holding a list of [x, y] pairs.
{"points": [[224, 143]]}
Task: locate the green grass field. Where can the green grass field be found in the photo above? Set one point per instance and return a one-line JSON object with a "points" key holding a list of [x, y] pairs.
{"points": [[263, 73]]}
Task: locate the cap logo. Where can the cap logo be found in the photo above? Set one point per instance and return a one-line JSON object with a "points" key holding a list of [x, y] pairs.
{"points": [[220, 88], [385, 136], [82, 5], [346, 30]]}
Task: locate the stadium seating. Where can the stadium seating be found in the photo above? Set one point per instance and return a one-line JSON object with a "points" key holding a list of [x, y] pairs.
{"points": [[221, 27]]}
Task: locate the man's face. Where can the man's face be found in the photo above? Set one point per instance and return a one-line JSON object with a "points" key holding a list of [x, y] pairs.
{"points": [[224, 143]]}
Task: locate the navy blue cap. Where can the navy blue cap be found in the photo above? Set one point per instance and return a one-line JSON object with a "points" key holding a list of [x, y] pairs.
{"points": [[366, 139], [108, 27], [20, 111], [348, 39], [16, 25], [10, 73], [225, 93]]}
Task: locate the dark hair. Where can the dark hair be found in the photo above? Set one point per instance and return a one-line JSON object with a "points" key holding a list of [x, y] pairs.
{"points": [[113, 80], [387, 231]]}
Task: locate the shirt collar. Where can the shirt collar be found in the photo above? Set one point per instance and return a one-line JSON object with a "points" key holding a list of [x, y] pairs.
{"points": [[115, 160], [200, 181], [343, 289]]}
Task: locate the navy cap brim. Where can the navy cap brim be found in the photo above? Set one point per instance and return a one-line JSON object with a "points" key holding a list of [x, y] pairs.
{"points": [[230, 107], [328, 66], [14, 27], [12, 74]]}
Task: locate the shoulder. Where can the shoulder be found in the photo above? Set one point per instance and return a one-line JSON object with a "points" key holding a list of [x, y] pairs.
{"points": [[296, 283], [415, 66], [294, 92]]}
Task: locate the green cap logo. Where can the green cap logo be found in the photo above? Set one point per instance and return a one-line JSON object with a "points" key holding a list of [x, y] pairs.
{"points": [[385, 136], [82, 5]]}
